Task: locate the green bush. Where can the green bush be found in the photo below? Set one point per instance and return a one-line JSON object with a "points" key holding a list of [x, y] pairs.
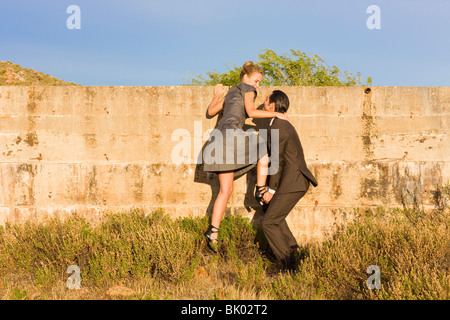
{"points": [[123, 245], [410, 247]]}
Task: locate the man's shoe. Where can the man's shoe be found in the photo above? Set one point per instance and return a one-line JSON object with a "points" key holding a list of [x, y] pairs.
{"points": [[290, 264], [295, 249]]}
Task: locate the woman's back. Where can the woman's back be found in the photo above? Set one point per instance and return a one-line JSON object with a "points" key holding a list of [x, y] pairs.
{"points": [[234, 114]]}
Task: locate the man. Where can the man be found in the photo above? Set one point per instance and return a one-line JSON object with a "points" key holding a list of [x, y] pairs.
{"points": [[287, 186]]}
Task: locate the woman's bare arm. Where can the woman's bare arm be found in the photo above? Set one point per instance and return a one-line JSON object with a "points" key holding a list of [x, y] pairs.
{"points": [[217, 103], [255, 113]]}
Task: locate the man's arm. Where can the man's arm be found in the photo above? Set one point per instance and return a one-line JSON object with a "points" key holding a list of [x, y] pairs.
{"points": [[262, 169]]}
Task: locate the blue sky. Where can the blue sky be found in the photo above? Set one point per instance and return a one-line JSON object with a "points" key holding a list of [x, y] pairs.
{"points": [[159, 43]]}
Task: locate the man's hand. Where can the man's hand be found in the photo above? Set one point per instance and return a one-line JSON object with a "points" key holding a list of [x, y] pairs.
{"points": [[267, 197]]}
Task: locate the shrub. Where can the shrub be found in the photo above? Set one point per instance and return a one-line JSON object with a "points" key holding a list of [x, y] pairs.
{"points": [[410, 247], [123, 245]]}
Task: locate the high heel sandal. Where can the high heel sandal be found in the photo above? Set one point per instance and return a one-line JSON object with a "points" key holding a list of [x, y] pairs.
{"points": [[259, 193], [212, 243]]}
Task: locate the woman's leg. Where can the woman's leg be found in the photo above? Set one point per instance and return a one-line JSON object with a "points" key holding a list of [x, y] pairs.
{"points": [[226, 188], [262, 169]]}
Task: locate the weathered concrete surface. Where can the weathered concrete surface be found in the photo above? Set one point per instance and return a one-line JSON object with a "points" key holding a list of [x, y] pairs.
{"points": [[96, 149]]}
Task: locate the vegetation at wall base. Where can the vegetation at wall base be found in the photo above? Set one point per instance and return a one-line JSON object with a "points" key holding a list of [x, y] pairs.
{"points": [[141, 255]]}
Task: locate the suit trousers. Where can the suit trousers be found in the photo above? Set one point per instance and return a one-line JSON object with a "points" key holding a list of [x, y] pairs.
{"points": [[274, 223]]}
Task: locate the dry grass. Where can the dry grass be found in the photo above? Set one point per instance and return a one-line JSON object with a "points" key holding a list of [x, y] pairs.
{"points": [[134, 255]]}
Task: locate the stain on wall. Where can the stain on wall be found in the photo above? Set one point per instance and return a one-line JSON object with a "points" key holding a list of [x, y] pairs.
{"points": [[97, 149]]}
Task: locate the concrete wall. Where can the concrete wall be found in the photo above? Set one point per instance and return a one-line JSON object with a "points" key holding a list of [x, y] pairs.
{"points": [[96, 149]]}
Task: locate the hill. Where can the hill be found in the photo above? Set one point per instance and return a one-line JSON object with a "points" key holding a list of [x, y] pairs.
{"points": [[14, 75]]}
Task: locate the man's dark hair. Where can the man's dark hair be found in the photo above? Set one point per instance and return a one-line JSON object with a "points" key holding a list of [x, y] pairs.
{"points": [[281, 101]]}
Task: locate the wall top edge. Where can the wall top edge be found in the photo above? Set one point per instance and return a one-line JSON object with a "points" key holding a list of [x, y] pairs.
{"points": [[262, 87]]}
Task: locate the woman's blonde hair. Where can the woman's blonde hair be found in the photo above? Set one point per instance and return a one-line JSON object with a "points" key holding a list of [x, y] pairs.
{"points": [[249, 68]]}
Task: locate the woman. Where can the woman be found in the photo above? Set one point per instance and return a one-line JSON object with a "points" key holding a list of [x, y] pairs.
{"points": [[237, 105]]}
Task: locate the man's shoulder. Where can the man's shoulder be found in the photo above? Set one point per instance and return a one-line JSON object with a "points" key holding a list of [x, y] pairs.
{"points": [[281, 124]]}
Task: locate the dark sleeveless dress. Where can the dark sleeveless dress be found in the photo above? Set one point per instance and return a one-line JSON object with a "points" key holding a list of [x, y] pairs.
{"points": [[229, 147]]}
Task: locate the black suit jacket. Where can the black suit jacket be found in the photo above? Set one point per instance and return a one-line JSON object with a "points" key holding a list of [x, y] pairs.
{"points": [[293, 173]]}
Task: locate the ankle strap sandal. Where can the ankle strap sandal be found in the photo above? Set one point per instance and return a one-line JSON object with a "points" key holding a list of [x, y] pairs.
{"points": [[212, 242], [259, 193]]}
